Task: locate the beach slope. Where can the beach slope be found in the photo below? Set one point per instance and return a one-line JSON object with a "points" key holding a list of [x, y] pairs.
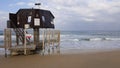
{"points": [[109, 59]]}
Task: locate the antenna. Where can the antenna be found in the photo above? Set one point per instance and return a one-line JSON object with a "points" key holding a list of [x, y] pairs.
{"points": [[37, 4]]}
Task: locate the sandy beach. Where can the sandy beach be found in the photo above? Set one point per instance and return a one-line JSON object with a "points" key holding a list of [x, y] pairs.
{"points": [[109, 59]]}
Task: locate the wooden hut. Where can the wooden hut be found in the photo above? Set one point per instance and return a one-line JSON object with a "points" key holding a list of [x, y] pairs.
{"points": [[30, 18]]}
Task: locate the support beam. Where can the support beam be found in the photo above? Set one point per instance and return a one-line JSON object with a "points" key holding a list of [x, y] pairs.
{"points": [[36, 37], [7, 39], [25, 51], [17, 39]]}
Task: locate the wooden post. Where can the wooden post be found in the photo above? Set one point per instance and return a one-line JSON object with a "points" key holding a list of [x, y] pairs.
{"points": [[25, 52], [58, 40], [49, 41], [5, 41], [7, 38], [17, 39], [36, 36], [58, 37], [43, 46], [53, 39]]}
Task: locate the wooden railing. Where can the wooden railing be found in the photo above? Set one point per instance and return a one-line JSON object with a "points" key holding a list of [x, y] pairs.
{"points": [[50, 39]]}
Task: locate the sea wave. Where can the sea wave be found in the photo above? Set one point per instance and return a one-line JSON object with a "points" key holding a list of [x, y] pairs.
{"points": [[113, 39], [104, 39], [91, 39], [74, 40], [77, 38], [97, 39]]}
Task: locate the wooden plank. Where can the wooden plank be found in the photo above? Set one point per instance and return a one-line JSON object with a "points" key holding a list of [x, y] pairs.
{"points": [[28, 47], [2, 46]]}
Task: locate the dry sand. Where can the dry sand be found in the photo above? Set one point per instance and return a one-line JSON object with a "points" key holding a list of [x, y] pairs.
{"points": [[109, 59]]}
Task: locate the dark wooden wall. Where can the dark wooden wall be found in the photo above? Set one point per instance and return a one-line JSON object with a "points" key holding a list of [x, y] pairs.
{"points": [[22, 17]]}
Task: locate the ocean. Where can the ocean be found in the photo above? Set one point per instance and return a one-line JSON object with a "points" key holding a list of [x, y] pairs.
{"points": [[86, 40]]}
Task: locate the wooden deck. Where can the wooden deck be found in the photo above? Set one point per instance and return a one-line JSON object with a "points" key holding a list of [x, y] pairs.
{"points": [[21, 48], [43, 41]]}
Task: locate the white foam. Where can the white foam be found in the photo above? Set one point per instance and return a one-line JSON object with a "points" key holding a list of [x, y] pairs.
{"points": [[76, 40], [96, 39], [1, 37], [70, 40], [113, 39]]}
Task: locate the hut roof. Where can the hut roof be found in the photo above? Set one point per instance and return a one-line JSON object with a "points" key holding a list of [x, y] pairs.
{"points": [[32, 9]]}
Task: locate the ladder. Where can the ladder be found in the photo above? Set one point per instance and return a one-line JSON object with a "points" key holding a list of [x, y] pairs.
{"points": [[20, 32]]}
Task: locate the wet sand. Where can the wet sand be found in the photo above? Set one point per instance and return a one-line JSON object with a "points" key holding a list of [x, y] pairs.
{"points": [[109, 59]]}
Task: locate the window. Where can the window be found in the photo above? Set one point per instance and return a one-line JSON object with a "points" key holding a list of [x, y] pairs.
{"points": [[18, 20], [52, 22], [18, 23], [36, 22], [43, 18], [29, 19]]}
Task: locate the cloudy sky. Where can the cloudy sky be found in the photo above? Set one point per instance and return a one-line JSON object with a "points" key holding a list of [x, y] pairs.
{"points": [[71, 14]]}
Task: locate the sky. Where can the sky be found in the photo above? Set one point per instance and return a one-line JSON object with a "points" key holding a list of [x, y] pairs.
{"points": [[71, 14]]}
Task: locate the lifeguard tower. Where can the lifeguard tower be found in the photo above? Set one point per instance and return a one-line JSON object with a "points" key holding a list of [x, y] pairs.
{"points": [[38, 20]]}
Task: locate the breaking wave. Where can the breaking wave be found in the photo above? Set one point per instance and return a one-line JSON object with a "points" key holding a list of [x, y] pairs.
{"points": [[91, 39]]}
